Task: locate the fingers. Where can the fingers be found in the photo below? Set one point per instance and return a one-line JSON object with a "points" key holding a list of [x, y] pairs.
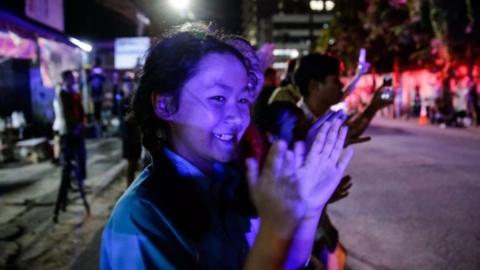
{"points": [[322, 120], [351, 141], [275, 158], [345, 184], [289, 164], [299, 154], [332, 137], [252, 172], [319, 142], [345, 159], [337, 149]]}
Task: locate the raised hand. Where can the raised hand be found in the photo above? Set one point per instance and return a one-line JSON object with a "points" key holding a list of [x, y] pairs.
{"points": [[313, 130], [290, 193], [293, 185], [275, 191], [265, 56], [382, 98], [324, 166]]}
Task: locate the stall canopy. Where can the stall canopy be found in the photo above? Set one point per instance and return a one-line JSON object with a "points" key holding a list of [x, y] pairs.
{"points": [[14, 46]]}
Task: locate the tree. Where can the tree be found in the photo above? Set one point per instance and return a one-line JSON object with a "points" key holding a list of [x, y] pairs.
{"points": [[406, 33]]}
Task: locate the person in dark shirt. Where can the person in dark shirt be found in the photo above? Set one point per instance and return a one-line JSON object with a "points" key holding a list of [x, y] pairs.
{"points": [[73, 141]]}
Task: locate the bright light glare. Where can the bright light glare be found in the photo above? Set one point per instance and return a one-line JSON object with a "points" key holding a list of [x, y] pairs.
{"points": [[316, 5], [329, 5], [82, 45], [280, 65], [294, 54], [180, 4], [285, 52]]}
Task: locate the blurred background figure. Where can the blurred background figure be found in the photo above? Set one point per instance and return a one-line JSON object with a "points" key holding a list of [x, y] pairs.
{"points": [[473, 106], [288, 77], [269, 85], [59, 128], [130, 132], [73, 141], [417, 102], [96, 82]]}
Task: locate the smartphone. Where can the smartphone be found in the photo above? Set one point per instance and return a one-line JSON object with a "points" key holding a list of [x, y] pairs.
{"points": [[387, 95], [387, 91]]}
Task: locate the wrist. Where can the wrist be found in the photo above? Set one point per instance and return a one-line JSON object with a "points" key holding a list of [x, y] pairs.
{"points": [[272, 246], [278, 231], [370, 111]]}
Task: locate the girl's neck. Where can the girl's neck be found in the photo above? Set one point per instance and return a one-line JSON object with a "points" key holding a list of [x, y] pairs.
{"points": [[205, 166]]}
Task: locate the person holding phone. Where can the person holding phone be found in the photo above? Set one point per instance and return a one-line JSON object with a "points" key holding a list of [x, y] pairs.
{"points": [[317, 78]]}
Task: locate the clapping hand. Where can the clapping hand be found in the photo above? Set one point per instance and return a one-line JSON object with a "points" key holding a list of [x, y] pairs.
{"points": [[294, 186]]}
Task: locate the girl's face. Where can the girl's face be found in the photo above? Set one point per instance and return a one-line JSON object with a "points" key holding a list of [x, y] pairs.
{"points": [[213, 111]]}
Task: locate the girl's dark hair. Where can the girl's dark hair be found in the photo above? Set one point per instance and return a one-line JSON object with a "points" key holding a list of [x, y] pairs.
{"points": [[168, 65]]}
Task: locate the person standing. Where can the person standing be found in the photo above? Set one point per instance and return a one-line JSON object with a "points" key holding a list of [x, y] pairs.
{"points": [[58, 127], [73, 140], [96, 83], [130, 132]]}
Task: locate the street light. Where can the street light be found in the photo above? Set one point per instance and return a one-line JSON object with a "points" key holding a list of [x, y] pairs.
{"points": [[321, 5], [329, 5], [81, 44], [183, 7], [180, 4]]}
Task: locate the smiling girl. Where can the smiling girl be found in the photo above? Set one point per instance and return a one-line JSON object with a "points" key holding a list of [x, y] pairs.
{"points": [[189, 209]]}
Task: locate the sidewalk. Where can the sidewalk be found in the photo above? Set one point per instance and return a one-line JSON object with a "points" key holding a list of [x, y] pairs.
{"points": [[27, 196], [413, 125]]}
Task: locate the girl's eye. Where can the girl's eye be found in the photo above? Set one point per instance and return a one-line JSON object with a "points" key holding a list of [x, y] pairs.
{"points": [[218, 98], [244, 101]]}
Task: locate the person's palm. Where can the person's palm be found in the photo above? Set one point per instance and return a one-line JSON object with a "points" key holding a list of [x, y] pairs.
{"points": [[324, 165]]}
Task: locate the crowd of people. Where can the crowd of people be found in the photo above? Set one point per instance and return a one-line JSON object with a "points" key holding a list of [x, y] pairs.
{"points": [[445, 98], [242, 166], [242, 171]]}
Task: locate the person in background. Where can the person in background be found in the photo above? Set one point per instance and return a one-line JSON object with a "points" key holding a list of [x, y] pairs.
{"points": [[73, 140], [473, 106], [317, 78], [460, 101], [96, 82], [59, 128], [288, 78], [130, 132], [270, 84]]}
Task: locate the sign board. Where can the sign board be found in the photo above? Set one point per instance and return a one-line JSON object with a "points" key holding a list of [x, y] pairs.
{"points": [[48, 12], [55, 58], [130, 52]]}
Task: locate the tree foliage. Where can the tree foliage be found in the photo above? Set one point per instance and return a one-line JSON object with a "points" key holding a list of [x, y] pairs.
{"points": [[408, 33]]}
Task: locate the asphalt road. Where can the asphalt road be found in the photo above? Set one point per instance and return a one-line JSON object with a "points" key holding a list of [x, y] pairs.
{"points": [[414, 204], [415, 200]]}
